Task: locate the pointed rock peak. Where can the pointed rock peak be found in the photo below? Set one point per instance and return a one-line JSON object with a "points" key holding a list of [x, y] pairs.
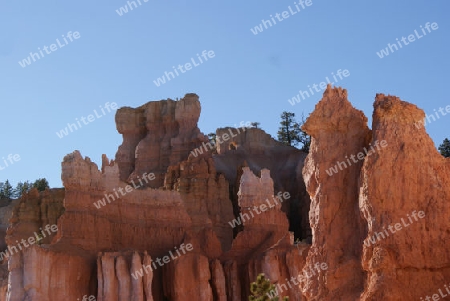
{"points": [[334, 113], [75, 155], [265, 174], [106, 162], [394, 109], [248, 175], [335, 92]]}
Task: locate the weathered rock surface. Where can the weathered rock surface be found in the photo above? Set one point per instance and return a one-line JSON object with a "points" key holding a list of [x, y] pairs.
{"points": [[205, 195], [35, 210], [405, 177], [188, 278], [337, 130], [6, 211], [253, 148], [115, 221], [157, 135], [39, 274], [122, 276], [264, 245]]}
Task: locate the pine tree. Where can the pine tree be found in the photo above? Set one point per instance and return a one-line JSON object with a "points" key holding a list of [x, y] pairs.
{"points": [[22, 188], [303, 138], [6, 191], [261, 288], [290, 132], [444, 148], [212, 140], [255, 125], [41, 184]]}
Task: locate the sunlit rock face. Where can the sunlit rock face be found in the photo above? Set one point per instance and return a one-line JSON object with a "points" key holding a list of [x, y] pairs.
{"points": [[338, 130], [405, 200], [157, 135], [379, 203]]}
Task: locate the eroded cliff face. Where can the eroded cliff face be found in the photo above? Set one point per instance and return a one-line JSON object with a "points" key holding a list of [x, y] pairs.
{"points": [[264, 245], [405, 199], [157, 222], [338, 131], [392, 177], [119, 223], [157, 135], [253, 148], [205, 195]]}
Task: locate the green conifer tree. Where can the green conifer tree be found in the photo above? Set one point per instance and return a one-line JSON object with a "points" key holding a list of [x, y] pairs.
{"points": [[6, 191], [444, 148], [263, 290]]}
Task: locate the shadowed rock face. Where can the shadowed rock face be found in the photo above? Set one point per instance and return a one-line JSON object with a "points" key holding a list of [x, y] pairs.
{"points": [[257, 150]]}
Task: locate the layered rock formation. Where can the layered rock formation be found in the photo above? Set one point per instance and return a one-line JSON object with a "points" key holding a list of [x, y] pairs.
{"points": [[157, 135], [378, 218], [206, 198], [154, 197]]}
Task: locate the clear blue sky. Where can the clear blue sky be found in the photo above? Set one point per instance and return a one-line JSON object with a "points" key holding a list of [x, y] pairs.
{"points": [[117, 58]]}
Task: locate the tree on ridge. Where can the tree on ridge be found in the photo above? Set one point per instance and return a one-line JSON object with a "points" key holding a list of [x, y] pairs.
{"points": [[444, 148], [290, 132]]}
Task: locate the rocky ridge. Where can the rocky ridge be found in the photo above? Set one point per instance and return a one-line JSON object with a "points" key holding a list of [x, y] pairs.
{"points": [[157, 196]]}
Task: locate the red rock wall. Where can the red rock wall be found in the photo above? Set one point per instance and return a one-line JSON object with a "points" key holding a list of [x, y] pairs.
{"points": [[97, 248], [42, 275], [117, 278], [205, 195], [407, 176], [337, 130], [157, 135]]}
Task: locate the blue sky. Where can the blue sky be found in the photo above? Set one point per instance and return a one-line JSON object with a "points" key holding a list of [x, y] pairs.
{"points": [[250, 78]]}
